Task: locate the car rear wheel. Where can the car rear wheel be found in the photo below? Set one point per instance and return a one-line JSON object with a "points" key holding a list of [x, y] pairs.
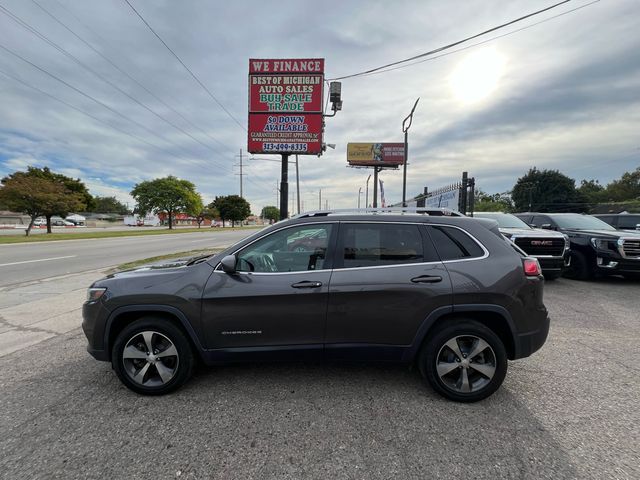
{"points": [[464, 361], [152, 356]]}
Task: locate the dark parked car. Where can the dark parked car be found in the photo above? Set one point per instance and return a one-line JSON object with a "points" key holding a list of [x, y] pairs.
{"points": [[622, 221], [449, 294], [596, 247], [549, 247]]}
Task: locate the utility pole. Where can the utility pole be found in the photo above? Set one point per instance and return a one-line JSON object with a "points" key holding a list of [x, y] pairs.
{"points": [[359, 193], [240, 174], [284, 187], [366, 195], [320, 199]]}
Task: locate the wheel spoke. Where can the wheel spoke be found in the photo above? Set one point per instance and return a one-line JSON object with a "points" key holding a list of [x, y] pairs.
{"points": [[465, 386], [479, 346], [484, 368], [147, 340], [139, 377], [446, 367], [454, 347], [168, 352], [165, 373], [132, 352]]}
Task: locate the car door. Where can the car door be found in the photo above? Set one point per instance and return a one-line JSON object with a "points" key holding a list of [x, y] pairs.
{"points": [[278, 296], [387, 279]]}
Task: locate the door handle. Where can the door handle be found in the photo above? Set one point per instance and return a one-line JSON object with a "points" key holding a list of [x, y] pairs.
{"points": [[307, 284], [427, 279]]}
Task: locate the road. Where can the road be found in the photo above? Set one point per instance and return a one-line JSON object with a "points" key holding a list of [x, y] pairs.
{"points": [[568, 412], [21, 263]]}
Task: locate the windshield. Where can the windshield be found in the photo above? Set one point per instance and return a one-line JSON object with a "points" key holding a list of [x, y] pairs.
{"points": [[505, 220], [581, 222]]}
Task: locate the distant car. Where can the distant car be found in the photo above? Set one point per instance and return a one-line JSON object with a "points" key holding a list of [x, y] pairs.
{"points": [[59, 222], [596, 247], [549, 247], [39, 222], [622, 221]]}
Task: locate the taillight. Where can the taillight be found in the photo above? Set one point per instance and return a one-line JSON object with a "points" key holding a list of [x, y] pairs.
{"points": [[531, 267]]}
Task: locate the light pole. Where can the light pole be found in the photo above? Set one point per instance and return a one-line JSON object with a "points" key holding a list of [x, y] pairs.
{"points": [[366, 195], [359, 193], [406, 124]]}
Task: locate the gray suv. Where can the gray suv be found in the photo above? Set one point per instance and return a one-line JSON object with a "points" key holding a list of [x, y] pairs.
{"points": [[448, 294]]}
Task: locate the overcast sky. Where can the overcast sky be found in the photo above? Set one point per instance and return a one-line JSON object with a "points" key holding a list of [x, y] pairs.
{"points": [[563, 94]]}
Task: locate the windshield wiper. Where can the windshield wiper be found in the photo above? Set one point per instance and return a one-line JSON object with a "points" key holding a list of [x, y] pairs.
{"points": [[198, 259]]}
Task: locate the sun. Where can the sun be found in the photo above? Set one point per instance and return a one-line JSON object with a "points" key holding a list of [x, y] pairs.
{"points": [[477, 75]]}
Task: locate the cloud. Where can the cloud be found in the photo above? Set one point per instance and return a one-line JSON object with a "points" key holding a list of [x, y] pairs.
{"points": [[567, 100]]}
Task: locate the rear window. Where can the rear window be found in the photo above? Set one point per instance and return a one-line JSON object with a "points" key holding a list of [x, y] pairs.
{"points": [[454, 244], [369, 245], [628, 221]]}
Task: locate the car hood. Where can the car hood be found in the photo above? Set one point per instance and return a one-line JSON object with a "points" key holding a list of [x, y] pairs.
{"points": [[529, 232], [603, 233]]}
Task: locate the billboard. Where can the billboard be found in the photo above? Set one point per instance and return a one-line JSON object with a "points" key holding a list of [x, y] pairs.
{"points": [[285, 105], [375, 154], [444, 200]]}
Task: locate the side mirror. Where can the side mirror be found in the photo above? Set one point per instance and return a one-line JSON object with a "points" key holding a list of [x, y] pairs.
{"points": [[638, 226], [229, 264], [547, 226]]}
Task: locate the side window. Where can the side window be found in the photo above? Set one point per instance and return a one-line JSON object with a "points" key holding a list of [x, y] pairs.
{"points": [[628, 221], [539, 220], [454, 244], [377, 244], [294, 249]]}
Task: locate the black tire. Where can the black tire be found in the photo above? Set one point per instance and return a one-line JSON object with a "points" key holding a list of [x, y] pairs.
{"points": [[466, 334], [579, 268], [169, 365]]}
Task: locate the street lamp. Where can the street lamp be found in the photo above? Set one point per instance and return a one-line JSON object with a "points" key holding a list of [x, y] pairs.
{"points": [[406, 124]]}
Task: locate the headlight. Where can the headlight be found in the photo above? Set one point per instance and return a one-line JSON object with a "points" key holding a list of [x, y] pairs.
{"points": [[567, 242], [620, 242], [600, 243], [93, 294]]}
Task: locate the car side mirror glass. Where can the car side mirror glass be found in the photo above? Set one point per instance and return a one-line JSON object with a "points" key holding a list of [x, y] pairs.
{"points": [[547, 226], [229, 264]]}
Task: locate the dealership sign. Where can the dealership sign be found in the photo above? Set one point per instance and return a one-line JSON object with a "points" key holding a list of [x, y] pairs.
{"points": [[375, 154], [285, 105], [444, 200]]}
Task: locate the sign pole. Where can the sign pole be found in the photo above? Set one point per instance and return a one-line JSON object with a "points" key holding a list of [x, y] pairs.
{"points": [[284, 187], [375, 187]]}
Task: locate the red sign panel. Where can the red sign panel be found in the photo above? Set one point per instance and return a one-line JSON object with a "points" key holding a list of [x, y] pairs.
{"points": [[285, 133], [285, 105]]}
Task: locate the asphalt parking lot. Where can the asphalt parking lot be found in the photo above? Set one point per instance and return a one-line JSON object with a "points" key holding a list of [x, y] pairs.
{"points": [[570, 411]]}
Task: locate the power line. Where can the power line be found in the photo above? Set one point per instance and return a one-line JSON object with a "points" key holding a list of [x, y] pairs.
{"points": [[114, 65], [96, 74], [399, 67], [451, 45], [187, 68]]}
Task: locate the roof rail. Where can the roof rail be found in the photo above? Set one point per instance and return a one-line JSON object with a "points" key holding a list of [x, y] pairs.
{"points": [[382, 210]]}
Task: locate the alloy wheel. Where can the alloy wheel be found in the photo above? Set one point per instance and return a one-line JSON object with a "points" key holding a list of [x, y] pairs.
{"points": [[466, 364], [150, 359]]}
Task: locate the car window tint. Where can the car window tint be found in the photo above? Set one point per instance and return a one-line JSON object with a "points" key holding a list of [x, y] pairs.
{"points": [[369, 245], [539, 220], [454, 244], [293, 249]]}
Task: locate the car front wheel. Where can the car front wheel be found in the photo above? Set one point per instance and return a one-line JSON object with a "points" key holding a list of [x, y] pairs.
{"points": [[152, 356], [464, 361]]}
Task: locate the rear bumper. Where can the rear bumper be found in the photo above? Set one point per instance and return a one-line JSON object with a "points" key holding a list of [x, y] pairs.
{"points": [[530, 342]]}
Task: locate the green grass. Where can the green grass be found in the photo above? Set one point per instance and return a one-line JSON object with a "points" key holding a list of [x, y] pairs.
{"points": [[171, 256], [47, 237]]}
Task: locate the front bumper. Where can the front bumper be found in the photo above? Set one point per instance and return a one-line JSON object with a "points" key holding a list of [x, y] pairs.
{"points": [[94, 315], [553, 264], [610, 265]]}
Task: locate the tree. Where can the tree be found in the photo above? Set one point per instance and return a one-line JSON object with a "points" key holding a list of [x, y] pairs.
{"points": [[208, 213], [170, 195], [498, 202], [37, 196], [271, 213], [546, 191], [627, 188], [232, 207], [590, 191], [110, 205]]}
